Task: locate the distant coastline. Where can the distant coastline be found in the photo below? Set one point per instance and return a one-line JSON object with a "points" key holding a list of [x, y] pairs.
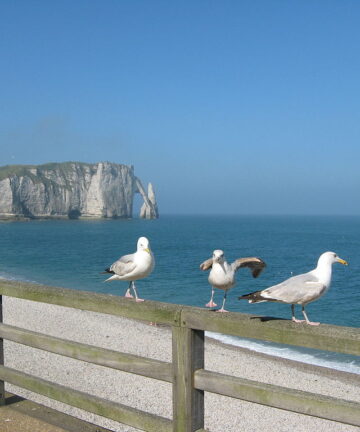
{"points": [[73, 190]]}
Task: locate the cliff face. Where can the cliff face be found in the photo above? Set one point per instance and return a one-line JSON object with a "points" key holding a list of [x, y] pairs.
{"points": [[71, 189], [149, 209]]}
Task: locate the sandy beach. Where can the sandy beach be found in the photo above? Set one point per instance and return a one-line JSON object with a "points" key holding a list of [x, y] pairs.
{"points": [[222, 413]]}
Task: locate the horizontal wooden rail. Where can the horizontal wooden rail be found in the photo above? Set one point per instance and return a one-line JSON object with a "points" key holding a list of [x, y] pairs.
{"points": [[324, 337], [162, 313], [105, 408], [302, 402], [100, 356]]}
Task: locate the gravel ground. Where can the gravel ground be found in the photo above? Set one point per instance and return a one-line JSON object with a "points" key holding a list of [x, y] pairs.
{"points": [[221, 413]]}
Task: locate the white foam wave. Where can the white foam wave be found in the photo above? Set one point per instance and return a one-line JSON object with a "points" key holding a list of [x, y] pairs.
{"points": [[5, 276], [341, 362]]}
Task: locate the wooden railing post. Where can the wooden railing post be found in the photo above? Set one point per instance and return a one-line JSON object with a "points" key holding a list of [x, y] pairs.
{"points": [[2, 383], [188, 402]]}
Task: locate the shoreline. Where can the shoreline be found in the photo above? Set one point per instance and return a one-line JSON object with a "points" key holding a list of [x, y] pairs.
{"points": [[137, 337], [302, 366]]}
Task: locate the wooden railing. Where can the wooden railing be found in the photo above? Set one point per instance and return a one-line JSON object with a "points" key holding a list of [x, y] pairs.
{"points": [[186, 372]]}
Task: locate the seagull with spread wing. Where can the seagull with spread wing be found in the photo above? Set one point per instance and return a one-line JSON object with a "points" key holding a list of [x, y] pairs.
{"points": [[133, 267], [301, 289], [222, 274]]}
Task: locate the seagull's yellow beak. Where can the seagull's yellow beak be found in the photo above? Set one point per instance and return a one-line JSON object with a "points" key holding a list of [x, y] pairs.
{"points": [[147, 250], [341, 261]]}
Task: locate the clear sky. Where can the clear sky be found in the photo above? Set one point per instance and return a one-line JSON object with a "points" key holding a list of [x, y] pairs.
{"points": [[247, 106]]}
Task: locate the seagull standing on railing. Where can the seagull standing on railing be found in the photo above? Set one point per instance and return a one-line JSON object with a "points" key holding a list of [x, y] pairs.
{"points": [[133, 267], [222, 274], [301, 289]]}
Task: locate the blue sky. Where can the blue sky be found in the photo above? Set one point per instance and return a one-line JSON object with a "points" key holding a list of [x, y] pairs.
{"points": [[234, 107]]}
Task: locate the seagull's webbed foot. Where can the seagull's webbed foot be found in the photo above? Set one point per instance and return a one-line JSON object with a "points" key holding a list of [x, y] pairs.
{"points": [[137, 299], [297, 321], [211, 304], [211, 301], [312, 323], [127, 294], [222, 310], [307, 319]]}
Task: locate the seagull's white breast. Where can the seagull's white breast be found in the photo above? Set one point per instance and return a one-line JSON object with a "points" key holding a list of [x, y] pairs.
{"points": [[222, 276], [145, 263], [323, 273]]}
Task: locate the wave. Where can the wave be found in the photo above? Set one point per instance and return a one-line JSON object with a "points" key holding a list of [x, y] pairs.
{"points": [[331, 360], [6, 276]]}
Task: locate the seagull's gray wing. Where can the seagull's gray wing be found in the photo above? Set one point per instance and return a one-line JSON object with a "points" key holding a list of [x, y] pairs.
{"points": [[256, 265], [301, 289], [206, 265], [123, 265]]}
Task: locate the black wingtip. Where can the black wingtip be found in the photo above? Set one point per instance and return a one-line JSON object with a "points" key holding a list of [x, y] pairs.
{"points": [[255, 296], [107, 271]]}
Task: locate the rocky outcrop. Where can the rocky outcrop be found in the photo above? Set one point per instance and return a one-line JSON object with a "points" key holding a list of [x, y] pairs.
{"points": [[149, 209], [71, 189]]}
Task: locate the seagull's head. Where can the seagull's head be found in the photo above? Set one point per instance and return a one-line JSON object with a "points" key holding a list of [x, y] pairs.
{"points": [[218, 256], [143, 244], [329, 258]]}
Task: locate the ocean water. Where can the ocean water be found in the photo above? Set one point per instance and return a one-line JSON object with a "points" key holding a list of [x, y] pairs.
{"points": [[72, 253]]}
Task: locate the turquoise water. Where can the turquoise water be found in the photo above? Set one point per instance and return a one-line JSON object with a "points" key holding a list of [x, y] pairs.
{"points": [[72, 253]]}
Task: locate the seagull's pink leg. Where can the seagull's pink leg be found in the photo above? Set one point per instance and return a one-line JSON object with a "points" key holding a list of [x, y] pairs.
{"points": [[211, 302], [223, 304], [307, 319], [293, 319], [137, 299], [127, 294]]}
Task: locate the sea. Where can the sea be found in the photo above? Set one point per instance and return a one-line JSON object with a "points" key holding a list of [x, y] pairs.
{"points": [[73, 253]]}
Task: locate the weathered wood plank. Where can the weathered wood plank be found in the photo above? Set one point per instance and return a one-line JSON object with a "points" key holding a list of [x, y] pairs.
{"points": [[25, 411], [302, 402], [125, 362], [162, 313], [324, 337], [112, 410], [188, 402], [2, 384]]}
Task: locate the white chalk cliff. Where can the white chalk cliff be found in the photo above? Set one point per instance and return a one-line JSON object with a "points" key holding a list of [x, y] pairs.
{"points": [[73, 190]]}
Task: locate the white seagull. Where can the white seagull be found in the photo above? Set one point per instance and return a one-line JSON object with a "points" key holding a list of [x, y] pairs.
{"points": [[133, 266], [301, 289], [222, 274]]}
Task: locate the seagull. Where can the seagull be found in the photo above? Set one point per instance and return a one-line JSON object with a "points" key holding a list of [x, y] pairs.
{"points": [[222, 274], [133, 267], [301, 289]]}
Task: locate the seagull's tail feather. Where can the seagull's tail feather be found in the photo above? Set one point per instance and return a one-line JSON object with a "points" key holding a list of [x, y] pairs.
{"points": [[107, 271], [113, 277], [254, 297]]}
